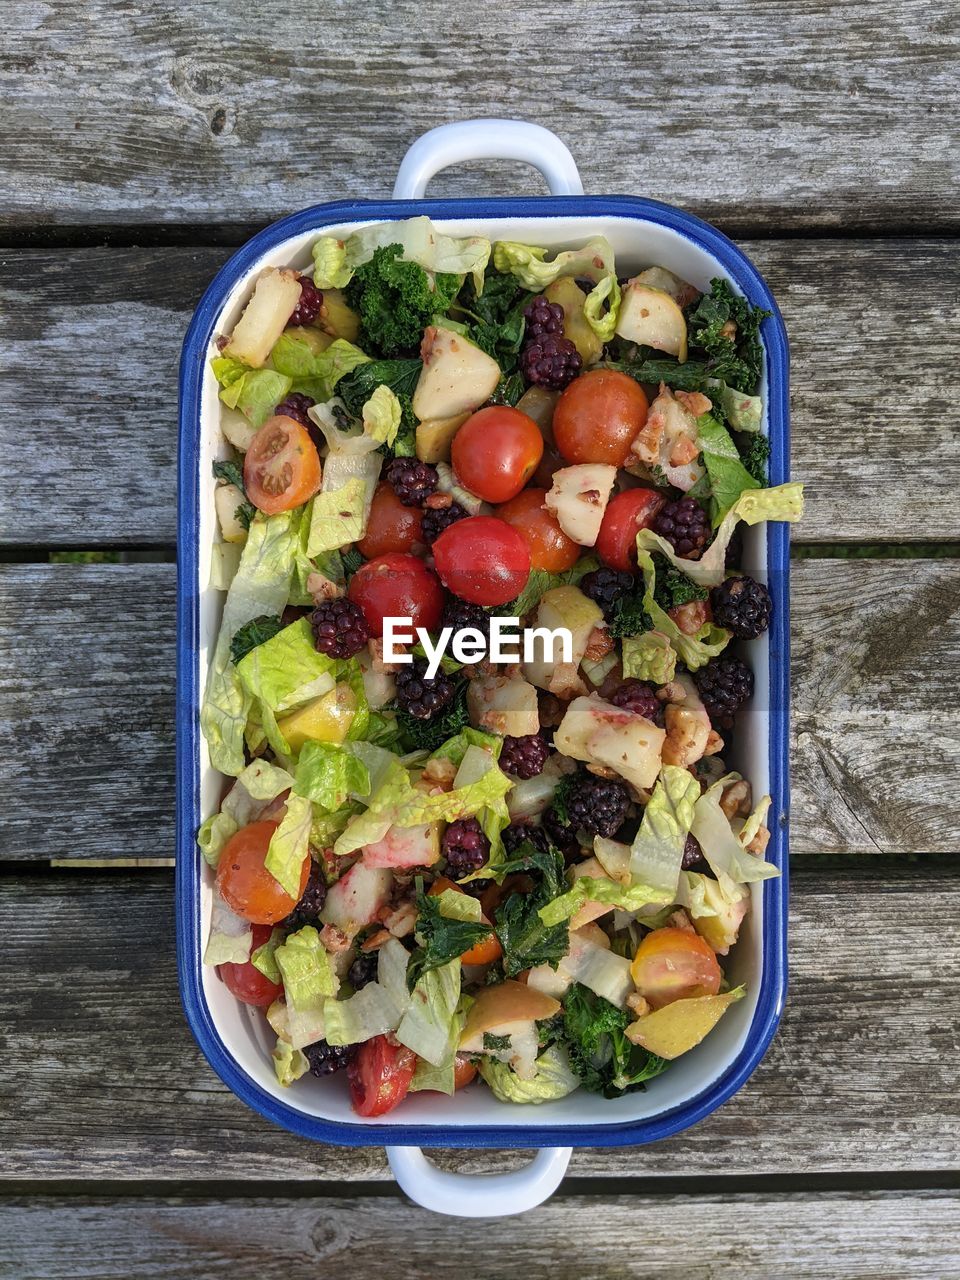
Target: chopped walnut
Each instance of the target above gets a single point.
(729, 330)
(694, 402)
(758, 844)
(376, 940)
(680, 920)
(714, 743)
(402, 919)
(599, 644)
(334, 939)
(686, 736)
(322, 588)
(637, 1003)
(551, 710)
(375, 645)
(737, 799)
(439, 773)
(691, 616)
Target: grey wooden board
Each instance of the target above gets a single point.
(875, 730)
(806, 114)
(819, 1236)
(874, 336)
(106, 1082)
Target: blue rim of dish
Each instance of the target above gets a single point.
(774, 953)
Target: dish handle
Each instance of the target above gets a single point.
(489, 1195)
(487, 140)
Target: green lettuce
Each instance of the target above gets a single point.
(258, 784)
(382, 414)
(455, 748)
(342, 507)
(442, 1077)
(595, 261)
(336, 260)
(288, 1063)
(727, 476)
(289, 846)
(784, 502)
(230, 937)
(314, 373)
(427, 1027)
(755, 821)
(308, 982)
(255, 392)
(554, 1078)
(261, 586)
(265, 956)
(329, 775)
(649, 656)
(657, 850)
(728, 859)
(369, 1012)
(283, 673)
(594, 889)
(696, 650)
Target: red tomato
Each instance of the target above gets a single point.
(550, 548)
(463, 1071)
(380, 1076)
(392, 526)
(626, 514)
(245, 981)
(397, 586)
(672, 964)
(496, 451)
(482, 560)
(598, 417)
(281, 469)
(244, 882)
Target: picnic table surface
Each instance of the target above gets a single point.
(142, 143)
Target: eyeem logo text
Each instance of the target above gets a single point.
(508, 643)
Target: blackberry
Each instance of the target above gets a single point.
(363, 970)
(607, 587)
(685, 526)
(543, 318)
(640, 697)
(412, 480)
(339, 628)
(597, 805)
(724, 685)
(743, 606)
(310, 304)
(693, 859)
(420, 697)
(437, 519)
(524, 757)
(460, 614)
(295, 406)
(560, 834)
(307, 910)
(550, 362)
(325, 1058)
(465, 847)
(519, 833)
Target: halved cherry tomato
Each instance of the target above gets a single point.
(397, 586)
(598, 417)
(672, 964)
(245, 981)
(391, 526)
(245, 884)
(463, 1071)
(496, 451)
(550, 548)
(380, 1076)
(482, 560)
(487, 949)
(626, 514)
(281, 469)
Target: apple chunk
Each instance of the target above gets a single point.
(265, 317)
(651, 318)
(600, 733)
(457, 376)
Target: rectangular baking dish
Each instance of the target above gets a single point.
(235, 1039)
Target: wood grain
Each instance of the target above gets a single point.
(105, 1081)
(874, 335)
(809, 115)
(717, 1237)
(876, 736)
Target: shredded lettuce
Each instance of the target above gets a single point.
(649, 656)
(697, 650)
(283, 673)
(368, 1013)
(381, 415)
(255, 392)
(265, 957)
(728, 859)
(342, 507)
(336, 260)
(258, 784)
(288, 1063)
(755, 821)
(314, 373)
(594, 889)
(329, 775)
(554, 1078)
(726, 474)
(657, 850)
(308, 981)
(289, 846)
(427, 1027)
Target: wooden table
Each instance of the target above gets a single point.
(141, 142)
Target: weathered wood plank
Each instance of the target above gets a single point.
(817, 115)
(716, 1237)
(873, 330)
(875, 743)
(863, 1076)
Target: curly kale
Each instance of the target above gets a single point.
(401, 376)
(525, 939)
(754, 450)
(726, 327)
(396, 300)
(674, 587)
(254, 633)
(600, 1053)
(496, 325)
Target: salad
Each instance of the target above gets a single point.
(441, 862)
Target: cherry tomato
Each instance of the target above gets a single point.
(397, 586)
(245, 981)
(281, 469)
(392, 526)
(626, 514)
(550, 548)
(380, 1076)
(482, 560)
(672, 964)
(244, 882)
(598, 417)
(463, 1071)
(496, 451)
(487, 949)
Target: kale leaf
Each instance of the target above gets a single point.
(525, 939)
(509, 389)
(601, 1055)
(495, 1044)
(232, 473)
(630, 618)
(754, 450)
(674, 587)
(396, 300)
(401, 376)
(427, 735)
(441, 939)
(726, 327)
(496, 320)
(252, 634)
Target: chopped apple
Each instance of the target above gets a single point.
(457, 376)
(579, 498)
(660, 278)
(336, 318)
(563, 608)
(600, 733)
(731, 905)
(315, 339)
(507, 1002)
(274, 300)
(324, 719)
(228, 499)
(238, 429)
(417, 846)
(354, 900)
(680, 1026)
(576, 327)
(435, 438)
(503, 704)
(651, 318)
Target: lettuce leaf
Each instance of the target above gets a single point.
(329, 775)
(289, 845)
(455, 748)
(743, 412)
(441, 1078)
(649, 656)
(657, 850)
(728, 859)
(284, 672)
(313, 373)
(342, 507)
(594, 889)
(259, 783)
(595, 261)
(427, 1027)
(308, 981)
(369, 1012)
(261, 586)
(381, 415)
(727, 475)
(336, 260)
(255, 392)
(755, 821)
(230, 937)
(265, 956)
(697, 650)
(288, 1063)
(554, 1078)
